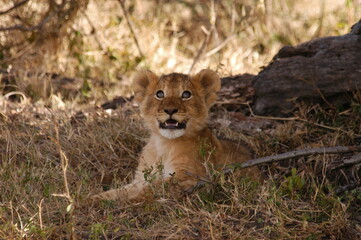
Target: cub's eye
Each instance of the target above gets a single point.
(159, 94)
(186, 94)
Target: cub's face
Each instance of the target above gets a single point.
(176, 104)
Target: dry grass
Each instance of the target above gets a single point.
(298, 201)
(98, 45)
(52, 161)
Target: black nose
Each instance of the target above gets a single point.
(170, 111)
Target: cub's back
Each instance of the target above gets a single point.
(233, 152)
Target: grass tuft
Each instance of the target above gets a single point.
(57, 147)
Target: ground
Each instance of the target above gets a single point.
(62, 140)
(53, 160)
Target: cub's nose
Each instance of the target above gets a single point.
(170, 111)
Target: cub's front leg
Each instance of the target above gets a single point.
(126, 193)
(140, 189)
(188, 173)
(134, 191)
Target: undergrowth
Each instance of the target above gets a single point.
(298, 200)
(97, 49)
(57, 147)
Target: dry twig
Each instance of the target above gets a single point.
(207, 38)
(64, 165)
(288, 155)
(355, 159)
(27, 29)
(297, 119)
(219, 46)
(295, 154)
(130, 27)
(94, 30)
(14, 7)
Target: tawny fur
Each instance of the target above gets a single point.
(182, 153)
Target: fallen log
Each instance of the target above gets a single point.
(324, 70)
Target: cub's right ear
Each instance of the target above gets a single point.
(141, 82)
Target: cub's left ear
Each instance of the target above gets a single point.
(211, 84)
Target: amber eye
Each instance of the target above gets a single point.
(186, 94)
(159, 94)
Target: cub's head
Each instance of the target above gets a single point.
(176, 104)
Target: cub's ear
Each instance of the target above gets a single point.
(141, 82)
(211, 84)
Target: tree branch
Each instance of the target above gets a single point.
(13, 7)
(288, 155)
(27, 29)
(294, 154)
(355, 159)
(207, 38)
(121, 2)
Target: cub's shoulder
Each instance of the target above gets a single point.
(240, 150)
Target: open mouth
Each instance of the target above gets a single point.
(172, 124)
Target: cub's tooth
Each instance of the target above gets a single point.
(176, 124)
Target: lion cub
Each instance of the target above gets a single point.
(175, 109)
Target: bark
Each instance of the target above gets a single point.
(325, 70)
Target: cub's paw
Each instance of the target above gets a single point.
(97, 197)
(108, 195)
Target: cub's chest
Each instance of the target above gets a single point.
(175, 155)
(166, 157)
(169, 169)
